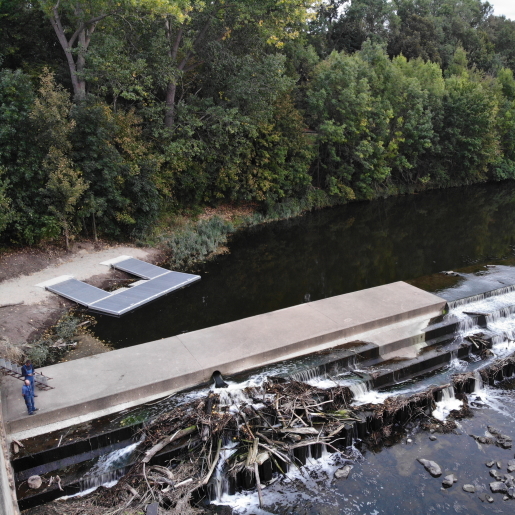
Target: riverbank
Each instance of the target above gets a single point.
(27, 310)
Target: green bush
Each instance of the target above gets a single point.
(66, 328)
(39, 352)
(196, 242)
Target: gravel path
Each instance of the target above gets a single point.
(83, 265)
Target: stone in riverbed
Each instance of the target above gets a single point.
(449, 480)
(431, 466)
(432, 438)
(343, 473)
(495, 474)
(511, 466)
(489, 498)
(498, 487)
(499, 464)
(34, 482)
(469, 488)
(491, 463)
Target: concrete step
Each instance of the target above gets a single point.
(405, 339)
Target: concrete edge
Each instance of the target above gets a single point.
(113, 402)
(8, 499)
(275, 355)
(106, 405)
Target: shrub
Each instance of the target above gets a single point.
(196, 242)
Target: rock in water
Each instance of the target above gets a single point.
(431, 466)
(490, 463)
(34, 482)
(432, 438)
(498, 487)
(495, 474)
(511, 466)
(449, 480)
(469, 488)
(343, 473)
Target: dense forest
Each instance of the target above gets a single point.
(114, 113)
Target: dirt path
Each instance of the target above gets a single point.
(37, 308)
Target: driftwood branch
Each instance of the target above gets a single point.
(165, 441)
(213, 465)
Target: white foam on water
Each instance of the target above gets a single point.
(447, 404)
(503, 349)
(458, 365)
(299, 484)
(235, 395)
(501, 401)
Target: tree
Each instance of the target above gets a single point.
(75, 21)
(120, 167)
(74, 24)
(202, 24)
(64, 185)
(5, 203)
(359, 21)
(63, 190)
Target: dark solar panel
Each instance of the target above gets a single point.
(140, 268)
(78, 291)
(120, 303)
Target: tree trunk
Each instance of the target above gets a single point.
(66, 238)
(83, 35)
(170, 104)
(94, 228)
(172, 85)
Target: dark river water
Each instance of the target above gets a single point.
(331, 252)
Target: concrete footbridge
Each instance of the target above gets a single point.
(390, 318)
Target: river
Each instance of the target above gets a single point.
(331, 252)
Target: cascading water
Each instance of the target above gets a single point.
(500, 292)
(310, 375)
(109, 468)
(219, 484)
(447, 404)
(106, 471)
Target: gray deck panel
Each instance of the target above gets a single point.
(78, 291)
(140, 268)
(120, 303)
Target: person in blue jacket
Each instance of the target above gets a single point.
(28, 395)
(28, 372)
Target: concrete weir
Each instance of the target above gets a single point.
(95, 386)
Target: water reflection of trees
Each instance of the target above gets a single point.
(331, 252)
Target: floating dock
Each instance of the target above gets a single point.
(155, 282)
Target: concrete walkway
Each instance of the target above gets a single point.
(105, 383)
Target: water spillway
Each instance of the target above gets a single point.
(116, 380)
(399, 358)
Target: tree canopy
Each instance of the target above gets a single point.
(114, 113)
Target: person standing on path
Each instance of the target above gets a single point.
(28, 395)
(28, 372)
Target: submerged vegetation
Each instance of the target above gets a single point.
(115, 115)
